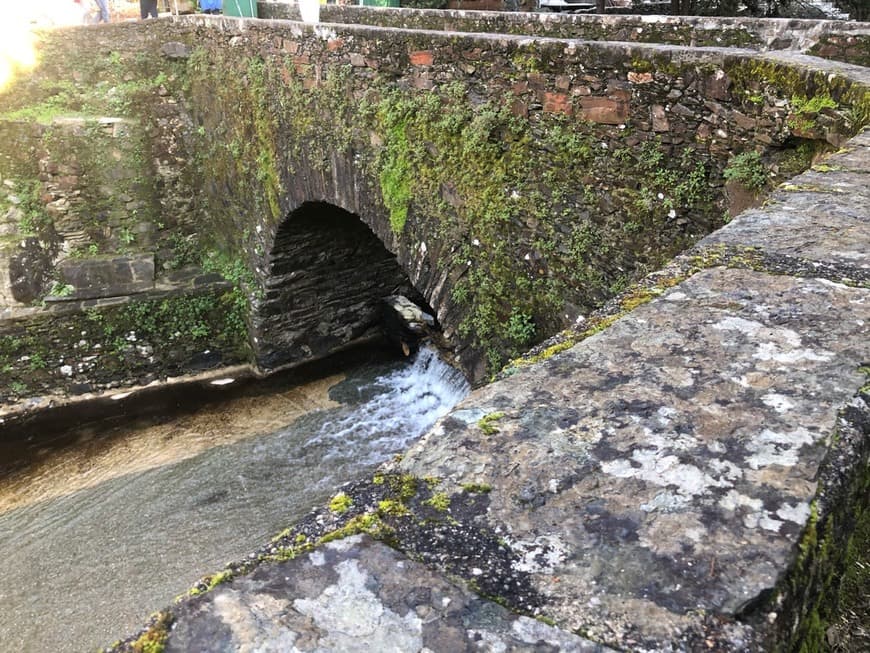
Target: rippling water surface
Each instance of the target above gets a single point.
(94, 538)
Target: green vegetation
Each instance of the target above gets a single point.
(440, 501)
(153, 640)
(206, 318)
(402, 486)
(748, 169)
(26, 193)
(813, 105)
(488, 422)
(340, 503)
(123, 339)
(395, 175)
(208, 583)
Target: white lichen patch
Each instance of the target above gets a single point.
(255, 620)
(533, 632)
(345, 543)
(771, 351)
(773, 448)
(780, 345)
(664, 470)
(798, 513)
(666, 501)
(754, 516)
(734, 500)
(351, 617)
(763, 520)
(780, 403)
(541, 555)
(732, 323)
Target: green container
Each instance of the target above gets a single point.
(244, 8)
(380, 3)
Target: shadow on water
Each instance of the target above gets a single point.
(46, 432)
(85, 568)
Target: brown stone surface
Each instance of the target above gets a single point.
(603, 110)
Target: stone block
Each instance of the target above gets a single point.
(422, 58)
(558, 103)
(604, 110)
(106, 276)
(659, 116)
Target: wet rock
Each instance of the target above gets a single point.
(405, 323)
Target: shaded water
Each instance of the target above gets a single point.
(90, 552)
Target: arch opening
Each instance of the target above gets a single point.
(328, 274)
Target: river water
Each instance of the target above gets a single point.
(100, 532)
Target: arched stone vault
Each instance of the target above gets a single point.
(327, 272)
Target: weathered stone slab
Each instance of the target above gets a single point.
(664, 469)
(796, 229)
(107, 276)
(356, 595)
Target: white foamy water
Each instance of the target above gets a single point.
(401, 406)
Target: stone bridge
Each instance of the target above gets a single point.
(681, 468)
(516, 182)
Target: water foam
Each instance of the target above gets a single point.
(402, 406)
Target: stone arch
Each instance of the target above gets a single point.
(327, 273)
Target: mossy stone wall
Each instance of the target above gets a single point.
(519, 182)
(693, 31)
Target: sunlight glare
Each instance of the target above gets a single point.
(17, 40)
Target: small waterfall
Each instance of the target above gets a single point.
(397, 408)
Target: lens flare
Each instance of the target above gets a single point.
(17, 49)
(17, 37)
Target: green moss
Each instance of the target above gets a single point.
(488, 422)
(824, 587)
(809, 92)
(340, 503)
(440, 501)
(546, 620)
(208, 583)
(748, 169)
(392, 507)
(395, 177)
(810, 188)
(153, 640)
(815, 104)
(822, 167)
(370, 524)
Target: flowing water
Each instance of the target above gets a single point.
(95, 536)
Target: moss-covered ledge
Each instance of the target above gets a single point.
(63, 350)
